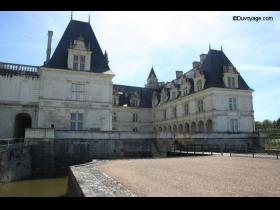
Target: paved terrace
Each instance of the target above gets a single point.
(186, 176)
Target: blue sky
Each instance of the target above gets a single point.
(169, 41)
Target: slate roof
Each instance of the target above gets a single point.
(73, 31)
(152, 72)
(145, 94)
(213, 70)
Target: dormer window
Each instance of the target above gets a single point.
(79, 55)
(79, 62)
(231, 82)
(199, 85)
(199, 80)
(135, 99)
(230, 77)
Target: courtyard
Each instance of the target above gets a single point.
(197, 176)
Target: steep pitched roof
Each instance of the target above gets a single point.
(73, 31)
(127, 91)
(152, 73)
(213, 69)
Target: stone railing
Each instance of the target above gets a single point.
(18, 67)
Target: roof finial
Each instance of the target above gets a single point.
(71, 15)
(106, 56)
(209, 46)
(222, 48)
(89, 19)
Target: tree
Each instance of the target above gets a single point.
(267, 124)
(278, 122)
(258, 125)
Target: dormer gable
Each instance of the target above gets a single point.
(199, 80)
(230, 76)
(79, 55)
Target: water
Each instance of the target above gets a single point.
(53, 187)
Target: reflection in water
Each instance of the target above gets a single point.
(53, 187)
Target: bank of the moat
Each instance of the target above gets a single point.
(47, 153)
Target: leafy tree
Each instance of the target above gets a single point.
(278, 122)
(267, 124)
(258, 125)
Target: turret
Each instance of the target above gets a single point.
(152, 81)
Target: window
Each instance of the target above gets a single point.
(164, 114)
(78, 92)
(82, 63)
(232, 104)
(174, 112)
(186, 108)
(185, 91)
(114, 116)
(234, 125)
(76, 121)
(134, 129)
(200, 105)
(199, 85)
(79, 61)
(231, 82)
(134, 117)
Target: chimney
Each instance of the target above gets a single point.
(202, 57)
(179, 74)
(195, 64)
(50, 33)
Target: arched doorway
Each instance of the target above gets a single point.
(209, 126)
(175, 128)
(160, 129)
(22, 121)
(180, 128)
(200, 126)
(169, 128)
(187, 128)
(193, 127)
(164, 129)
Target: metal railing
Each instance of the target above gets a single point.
(223, 149)
(11, 143)
(18, 67)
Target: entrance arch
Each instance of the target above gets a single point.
(22, 121)
(180, 128)
(193, 127)
(209, 126)
(200, 126)
(187, 128)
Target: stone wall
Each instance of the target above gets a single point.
(15, 164)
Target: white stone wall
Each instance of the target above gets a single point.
(124, 119)
(18, 94)
(216, 109)
(21, 89)
(56, 104)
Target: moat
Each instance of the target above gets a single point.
(50, 187)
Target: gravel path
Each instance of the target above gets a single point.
(197, 176)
